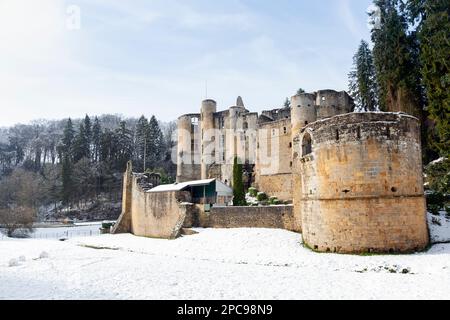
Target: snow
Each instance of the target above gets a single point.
(439, 227)
(440, 160)
(217, 264)
(64, 232)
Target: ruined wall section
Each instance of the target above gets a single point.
(152, 214)
(123, 224)
(361, 186)
(274, 159)
(330, 103)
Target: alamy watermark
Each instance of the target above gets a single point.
(73, 18)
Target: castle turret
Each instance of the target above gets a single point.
(303, 111)
(187, 148)
(209, 107)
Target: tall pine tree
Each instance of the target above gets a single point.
(433, 20)
(396, 61)
(88, 134)
(124, 146)
(155, 143)
(96, 139)
(81, 147)
(362, 80)
(141, 143)
(68, 138)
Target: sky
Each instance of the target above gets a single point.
(68, 58)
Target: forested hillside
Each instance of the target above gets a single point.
(73, 167)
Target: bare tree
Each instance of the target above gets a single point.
(17, 221)
(19, 198)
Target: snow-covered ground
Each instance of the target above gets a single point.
(63, 232)
(216, 264)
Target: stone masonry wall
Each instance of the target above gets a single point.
(152, 214)
(277, 217)
(278, 185)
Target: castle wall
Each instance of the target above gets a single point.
(277, 217)
(361, 188)
(277, 185)
(152, 214)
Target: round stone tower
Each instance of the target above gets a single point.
(209, 107)
(303, 110)
(187, 168)
(361, 184)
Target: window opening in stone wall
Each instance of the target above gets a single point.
(337, 135)
(306, 145)
(358, 133)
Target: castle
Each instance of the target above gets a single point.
(353, 180)
(209, 141)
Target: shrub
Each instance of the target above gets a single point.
(17, 222)
(438, 176)
(261, 196)
(253, 192)
(435, 201)
(107, 225)
(434, 209)
(238, 184)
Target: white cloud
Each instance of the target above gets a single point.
(30, 28)
(349, 19)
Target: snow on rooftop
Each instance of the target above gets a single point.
(181, 186)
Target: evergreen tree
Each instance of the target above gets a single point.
(362, 79)
(287, 103)
(238, 184)
(155, 145)
(68, 138)
(433, 19)
(300, 91)
(141, 143)
(96, 140)
(88, 133)
(124, 146)
(81, 145)
(67, 180)
(396, 61)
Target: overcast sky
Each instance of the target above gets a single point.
(149, 57)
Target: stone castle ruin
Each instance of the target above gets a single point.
(354, 180)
